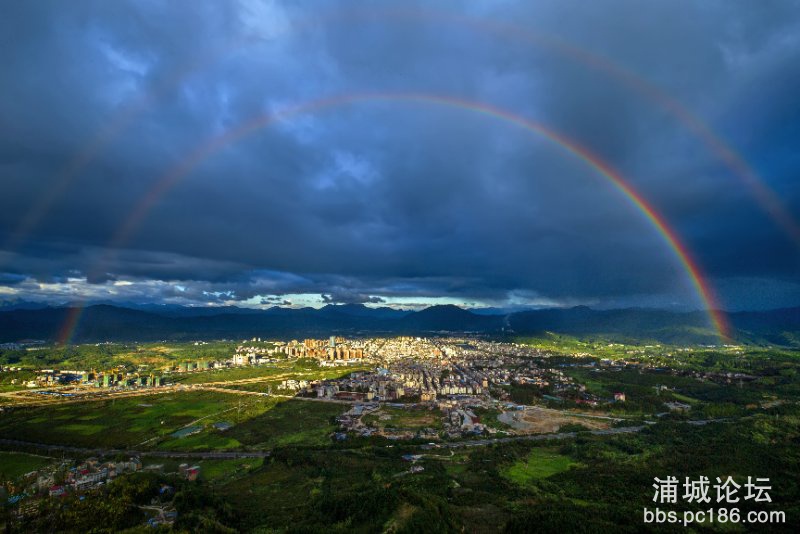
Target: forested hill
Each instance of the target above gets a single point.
(115, 323)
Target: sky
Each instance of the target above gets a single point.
(248, 153)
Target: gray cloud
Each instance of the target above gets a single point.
(381, 200)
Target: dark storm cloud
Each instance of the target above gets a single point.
(382, 201)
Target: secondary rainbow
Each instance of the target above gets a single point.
(763, 194)
(170, 179)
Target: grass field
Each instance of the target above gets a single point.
(150, 422)
(221, 470)
(488, 416)
(540, 463)
(16, 464)
(128, 422)
(206, 440)
(261, 386)
(289, 423)
(297, 369)
(20, 377)
(405, 418)
(106, 355)
(273, 381)
(234, 373)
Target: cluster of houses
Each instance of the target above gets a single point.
(58, 480)
(358, 386)
(61, 479)
(189, 472)
(462, 420)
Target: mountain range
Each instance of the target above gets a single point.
(105, 322)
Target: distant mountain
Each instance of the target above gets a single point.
(359, 310)
(8, 305)
(779, 327)
(114, 323)
(448, 318)
(174, 310)
(633, 323)
(500, 311)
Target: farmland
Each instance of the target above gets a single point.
(151, 422)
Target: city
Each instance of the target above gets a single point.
(423, 394)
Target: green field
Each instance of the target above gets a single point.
(708, 399)
(271, 373)
(405, 418)
(148, 422)
(207, 439)
(16, 464)
(271, 377)
(108, 355)
(20, 377)
(234, 373)
(262, 386)
(539, 464)
(220, 470)
(289, 423)
(126, 422)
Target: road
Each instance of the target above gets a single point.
(219, 389)
(21, 401)
(567, 435)
(540, 437)
(208, 455)
(29, 397)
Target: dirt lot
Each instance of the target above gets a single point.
(537, 420)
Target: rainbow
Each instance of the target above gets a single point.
(767, 199)
(70, 325)
(172, 177)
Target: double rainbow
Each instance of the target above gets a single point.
(178, 172)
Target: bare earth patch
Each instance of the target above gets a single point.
(538, 420)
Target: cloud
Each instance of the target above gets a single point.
(380, 200)
(351, 298)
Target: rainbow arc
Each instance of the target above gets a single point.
(202, 152)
